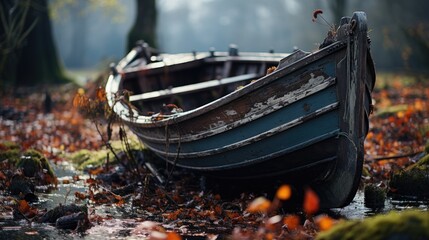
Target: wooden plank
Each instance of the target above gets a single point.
(192, 88)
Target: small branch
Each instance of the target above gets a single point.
(396, 156)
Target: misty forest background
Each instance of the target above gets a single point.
(89, 34)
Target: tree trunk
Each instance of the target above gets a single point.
(38, 62)
(144, 27)
(338, 8)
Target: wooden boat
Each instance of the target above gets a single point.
(223, 115)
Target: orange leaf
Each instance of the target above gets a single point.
(76, 100)
(96, 171)
(173, 236)
(419, 105)
(260, 204)
(101, 94)
(23, 207)
(284, 192)
(324, 222)
(291, 221)
(311, 202)
(79, 195)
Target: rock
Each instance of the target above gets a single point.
(60, 211)
(73, 221)
(34, 164)
(9, 151)
(23, 187)
(374, 196)
(412, 181)
(410, 224)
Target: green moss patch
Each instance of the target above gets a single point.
(411, 224)
(413, 181)
(34, 163)
(86, 158)
(9, 151)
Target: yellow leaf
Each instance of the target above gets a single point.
(284, 192)
(324, 222)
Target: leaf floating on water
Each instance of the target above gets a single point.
(26, 210)
(23, 207)
(32, 233)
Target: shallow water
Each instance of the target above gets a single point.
(122, 224)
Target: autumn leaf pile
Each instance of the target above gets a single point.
(399, 125)
(23, 121)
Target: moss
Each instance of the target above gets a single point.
(33, 162)
(410, 224)
(387, 111)
(85, 158)
(9, 151)
(422, 164)
(365, 172)
(8, 145)
(414, 180)
(374, 196)
(11, 155)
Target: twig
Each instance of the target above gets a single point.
(396, 156)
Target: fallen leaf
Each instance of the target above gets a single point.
(260, 204)
(23, 207)
(324, 222)
(173, 236)
(311, 202)
(284, 192)
(292, 222)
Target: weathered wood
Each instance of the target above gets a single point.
(191, 88)
(307, 118)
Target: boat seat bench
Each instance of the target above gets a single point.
(191, 88)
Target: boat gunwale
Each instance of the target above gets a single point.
(146, 121)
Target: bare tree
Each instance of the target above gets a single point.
(33, 58)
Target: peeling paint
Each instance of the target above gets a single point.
(230, 112)
(313, 85)
(218, 124)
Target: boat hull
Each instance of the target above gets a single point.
(305, 122)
